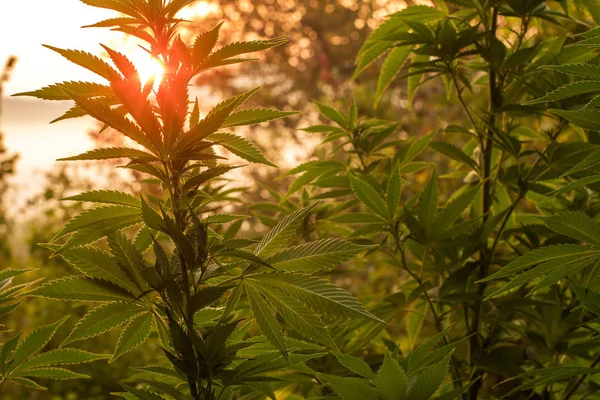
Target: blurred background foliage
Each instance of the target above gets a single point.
(318, 63)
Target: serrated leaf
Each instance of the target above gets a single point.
(583, 70)
(585, 118)
(94, 216)
(96, 263)
(332, 114)
(106, 197)
(102, 319)
(113, 118)
(393, 192)
(391, 381)
(86, 60)
(50, 373)
(56, 92)
(254, 116)
(356, 365)
(351, 388)
(81, 289)
(34, 342)
(428, 203)
(281, 232)
(61, 357)
(109, 153)
(318, 294)
(237, 48)
(27, 383)
(452, 210)
(568, 90)
(368, 195)
(576, 225)
(542, 255)
(454, 152)
(265, 319)
(315, 256)
(368, 55)
(240, 147)
(390, 69)
(204, 44)
(299, 317)
(427, 383)
(135, 333)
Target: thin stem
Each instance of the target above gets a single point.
(570, 391)
(495, 100)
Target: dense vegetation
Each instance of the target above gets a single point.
(443, 241)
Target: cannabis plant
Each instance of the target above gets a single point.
(22, 358)
(164, 263)
(446, 238)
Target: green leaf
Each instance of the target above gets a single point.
(390, 69)
(204, 44)
(56, 92)
(568, 90)
(351, 388)
(588, 180)
(27, 383)
(393, 192)
(576, 225)
(255, 115)
(61, 357)
(106, 197)
(102, 319)
(428, 203)
(34, 342)
(583, 70)
(11, 272)
(240, 147)
(391, 381)
(135, 333)
(265, 319)
(368, 55)
(368, 195)
(109, 153)
(50, 373)
(114, 118)
(152, 218)
(356, 365)
(238, 48)
(299, 317)
(95, 216)
(81, 289)
(427, 383)
(315, 256)
(332, 114)
(454, 153)
(452, 210)
(282, 232)
(86, 60)
(542, 255)
(319, 295)
(96, 263)
(586, 118)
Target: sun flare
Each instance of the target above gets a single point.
(149, 67)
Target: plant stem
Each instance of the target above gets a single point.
(570, 391)
(495, 101)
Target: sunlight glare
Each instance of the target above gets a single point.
(149, 67)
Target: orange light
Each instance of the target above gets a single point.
(149, 67)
